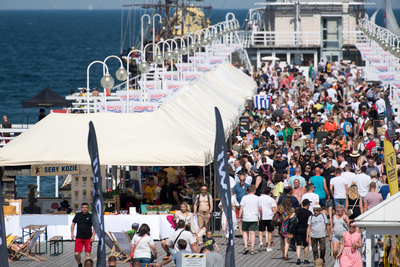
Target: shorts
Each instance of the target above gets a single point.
(337, 238)
(80, 243)
(301, 237)
(249, 226)
(265, 224)
(322, 202)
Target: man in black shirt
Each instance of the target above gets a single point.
(301, 236)
(84, 234)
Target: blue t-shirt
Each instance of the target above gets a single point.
(318, 182)
(384, 191)
(239, 191)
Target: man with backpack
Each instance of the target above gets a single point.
(316, 232)
(203, 207)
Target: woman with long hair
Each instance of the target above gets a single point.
(185, 215)
(287, 212)
(278, 185)
(354, 202)
(359, 144)
(362, 159)
(288, 130)
(141, 246)
(340, 226)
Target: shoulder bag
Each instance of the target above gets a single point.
(277, 219)
(350, 211)
(133, 250)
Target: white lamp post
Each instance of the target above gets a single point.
(143, 67)
(154, 33)
(106, 82)
(141, 25)
(121, 74)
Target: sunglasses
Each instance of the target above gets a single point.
(351, 226)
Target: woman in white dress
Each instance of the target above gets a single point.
(185, 215)
(224, 220)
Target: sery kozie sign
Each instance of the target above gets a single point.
(50, 170)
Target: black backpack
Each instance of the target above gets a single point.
(293, 225)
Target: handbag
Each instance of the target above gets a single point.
(277, 219)
(350, 212)
(133, 250)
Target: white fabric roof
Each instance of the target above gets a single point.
(383, 214)
(180, 132)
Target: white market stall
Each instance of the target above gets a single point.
(383, 219)
(180, 132)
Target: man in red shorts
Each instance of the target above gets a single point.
(84, 233)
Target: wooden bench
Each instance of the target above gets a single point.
(56, 240)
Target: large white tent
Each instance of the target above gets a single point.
(180, 132)
(383, 219)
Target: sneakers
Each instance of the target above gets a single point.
(246, 250)
(306, 262)
(285, 258)
(298, 262)
(260, 247)
(252, 252)
(269, 249)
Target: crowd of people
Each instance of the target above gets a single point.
(315, 154)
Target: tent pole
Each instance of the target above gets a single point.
(204, 174)
(56, 185)
(38, 184)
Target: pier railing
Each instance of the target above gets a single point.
(274, 39)
(8, 134)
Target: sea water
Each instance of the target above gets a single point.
(53, 48)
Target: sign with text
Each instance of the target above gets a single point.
(192, 76)
(175, 85)
(51, 170)
(158, 95)
(194, 260)
(151, 85)
(143, 107)
(112, 106)
(134, 95)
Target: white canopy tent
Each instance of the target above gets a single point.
(180, 132)
(383, 219)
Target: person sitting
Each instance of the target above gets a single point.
(64, 206)
(133, 231)
(95, 92)
(177, 257)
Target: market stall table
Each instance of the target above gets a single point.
(60, 224)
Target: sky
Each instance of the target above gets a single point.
(107, 4)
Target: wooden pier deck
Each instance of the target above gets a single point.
(263, 258)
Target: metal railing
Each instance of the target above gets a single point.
(293, 39)
(12, 132)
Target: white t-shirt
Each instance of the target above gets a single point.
(266, 203)
(339, 187)
(142, 249)
(332, 93)
(349, 176)
(313, 198)
(362, 181)
(186, 235)
(250, 208)
(380, 105)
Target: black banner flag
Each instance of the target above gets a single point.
(3, 241)
(222, 173)
(98, 216)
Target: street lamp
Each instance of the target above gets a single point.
(141, 25)
(154, 33)
(142, 69)
(106, 82)
(121, 74)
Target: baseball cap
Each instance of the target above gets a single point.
(306, 202)
(254, 169)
